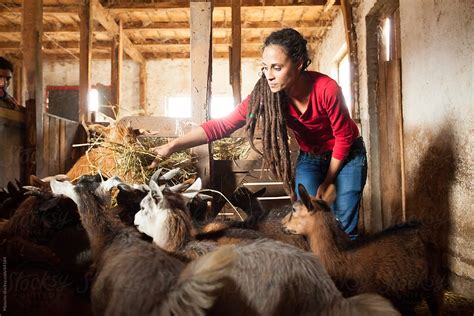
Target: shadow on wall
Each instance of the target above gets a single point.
(430, 182)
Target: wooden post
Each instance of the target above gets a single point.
(32, 32)
(351, 40)
(85, 58)
(201, 71)
(18, 82)
(143, 88)
(116, 68)
(235, 57)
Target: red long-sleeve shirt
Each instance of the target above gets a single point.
(325, 125)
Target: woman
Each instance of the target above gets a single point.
(312, 105)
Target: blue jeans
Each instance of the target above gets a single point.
(311, 171)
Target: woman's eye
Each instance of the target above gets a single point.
(277, 68)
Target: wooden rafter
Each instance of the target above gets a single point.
(107, 21)
(123, 7)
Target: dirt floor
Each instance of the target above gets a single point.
(453, 305)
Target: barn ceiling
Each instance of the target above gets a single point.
(161, 29)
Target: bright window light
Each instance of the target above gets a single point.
(93, 101)
(179, 106)
(344, 79)
(221, 106)
(386, 37)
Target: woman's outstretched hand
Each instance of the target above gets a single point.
(162, 152)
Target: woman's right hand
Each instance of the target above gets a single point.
(162, 152)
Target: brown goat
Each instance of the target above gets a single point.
(268, 278)
(134, 277)
(396, 263)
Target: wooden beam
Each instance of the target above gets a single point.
(329, 5)
(116, 68)
(143, 88)
(235, 59)
(123, 6)
(201, 74)
(32, 28)
(18, 82)
(138, 26)
(107, 21)
(11, 115)
(85, 58)
(351, 41)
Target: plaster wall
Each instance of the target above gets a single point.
(437, 63)
(437, 102)
(332, 48)
(165, 78)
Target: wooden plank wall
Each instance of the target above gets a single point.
(59, 136)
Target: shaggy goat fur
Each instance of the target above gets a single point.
(134, 277)
(268, 277)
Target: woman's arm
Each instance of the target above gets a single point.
(207, 132)
(334, 167)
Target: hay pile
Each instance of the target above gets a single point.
(231, 149)
(125, 152)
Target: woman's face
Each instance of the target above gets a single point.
(281, 72)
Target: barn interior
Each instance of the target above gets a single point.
(161, 68)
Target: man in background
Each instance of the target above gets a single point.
(6, 74)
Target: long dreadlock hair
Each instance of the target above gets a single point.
(267, 110)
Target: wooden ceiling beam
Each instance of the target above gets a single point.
(131, 27)
(217, 4)
(103, 17)
(147, 7)
(138, 26)
(328, 6)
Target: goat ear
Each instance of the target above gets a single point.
(193, 190)
(259, 193)
(37, 182)
(65, 188)
(305, 197)
(329, 195)
(155, 189)
(49, 204)
(178, 187)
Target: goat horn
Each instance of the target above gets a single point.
(170, 174)
(156, 175)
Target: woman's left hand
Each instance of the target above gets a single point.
(322, 189)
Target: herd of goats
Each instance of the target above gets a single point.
(104, 247)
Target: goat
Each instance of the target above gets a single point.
(268, 278)
(10, 199)
(396, 263)
(265, 223)
(134, 277)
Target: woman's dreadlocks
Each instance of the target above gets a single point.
(268, 111)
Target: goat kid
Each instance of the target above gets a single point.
(268, 277)
(395, 263)
(134, 277)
